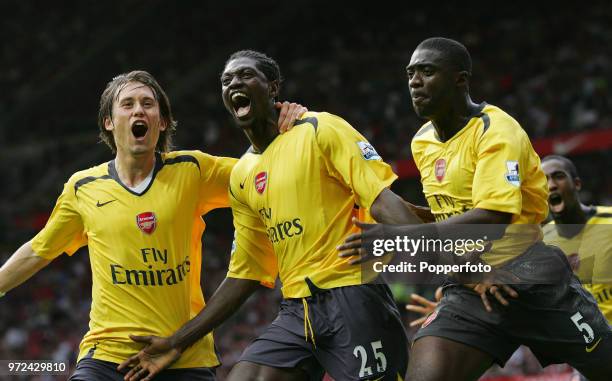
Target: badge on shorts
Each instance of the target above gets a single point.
(367, 151)
(260, 182)
(512, 174)
(147, 222)
(430, 318)
(440, 169)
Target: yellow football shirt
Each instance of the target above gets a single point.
(293, 203)
(489, 164)
(144, 249)
(590, 253)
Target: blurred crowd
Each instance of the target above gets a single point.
(548, 69)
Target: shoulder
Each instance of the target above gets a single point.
(203, 161)
(178, 157)
(86, 176)
(332, 128)
(603, 215)
(322, 122)
(310, 118)
(497, 122)
(549, 230)
(425, 135)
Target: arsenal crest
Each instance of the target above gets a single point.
(147, 222)
(440, 169)
(260, 182)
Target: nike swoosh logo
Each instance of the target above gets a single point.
(592, 348)
(565, 147)
(242, 184)
(99, 204)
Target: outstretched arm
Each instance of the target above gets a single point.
(230, 295)
(389, 208)
(494, 222)
(423, 212)
(160, 352)
(20, 267)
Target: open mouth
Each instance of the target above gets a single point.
(241, 103)
(139, 129)
(417, 98)
(556, 203)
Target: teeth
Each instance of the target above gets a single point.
(238, 94)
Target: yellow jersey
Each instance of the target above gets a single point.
(144, 249)
(590, 253)
(293, 203)
(489, 164)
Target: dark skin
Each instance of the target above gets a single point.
(565, 206)
(440, 94)
(161, 352)
(569, 214)
(570, 217)
(242, 77)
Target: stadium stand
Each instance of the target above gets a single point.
(548, 69)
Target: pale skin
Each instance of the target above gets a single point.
(134, 160)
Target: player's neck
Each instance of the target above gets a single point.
(263, 132)
(572, 221)
(451, 121)
(132, 170)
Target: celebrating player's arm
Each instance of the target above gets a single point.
(423, 212)
(62, 233)
(423, 306)
(356, 246)
(160, 352)
(20, 267)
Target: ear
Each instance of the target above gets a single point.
(578, 183)
(463, 78)
(108, 124)
(274, 89)
(162, 124)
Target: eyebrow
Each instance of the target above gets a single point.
(241, 69)
(420, 66)
(130, 97)
(558, 171)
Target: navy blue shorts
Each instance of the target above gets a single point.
(355, 333)
(559, 322)
(89, 369)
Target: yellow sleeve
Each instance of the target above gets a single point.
(64, 232)
(214, 181)
(352, 160)
(252, 255)
(597, 242)
(501, 161)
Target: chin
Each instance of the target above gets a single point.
(141, 150)
(421, 113)
(558, 215)
(243, 122)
